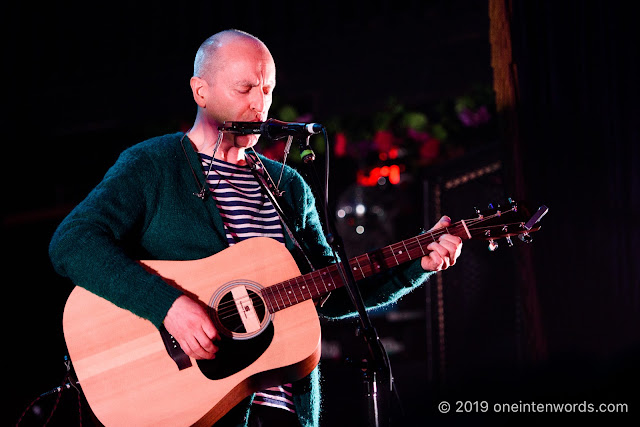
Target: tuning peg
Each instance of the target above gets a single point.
(526, 237)
(509, 242)
(490, 205)
(493, 245)
(477, 212)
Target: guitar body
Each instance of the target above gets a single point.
(128, 376)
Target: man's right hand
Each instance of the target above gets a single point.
(188, 322)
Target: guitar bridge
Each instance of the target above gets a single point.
(174, 349)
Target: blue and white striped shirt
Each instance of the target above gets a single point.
(246, 212)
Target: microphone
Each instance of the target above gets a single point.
(277, 129)
(272, 128)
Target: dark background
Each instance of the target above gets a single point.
(86, 80)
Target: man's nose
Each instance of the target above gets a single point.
(258, 101)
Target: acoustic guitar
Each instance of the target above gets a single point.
(133, 374)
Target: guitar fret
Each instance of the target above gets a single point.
(380, 259)
(358, 267)
(267, 300)
(290, 292)
(302, 289)
(370, 267)
(334, 275)
(321, 273)
(272, 298)
(306, 286)
(400, 253)
(315, 284)
(268, 297)
(393, 252)
(287, 292)
(284, 304)
(327, 274)
(275, 299)
(407, 250)
(373, 266)
(310, 285)
(270, 304)
(284, 294)
(296, 289)
(420, 245)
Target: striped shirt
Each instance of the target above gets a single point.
(246, 212)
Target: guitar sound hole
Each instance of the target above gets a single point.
(228, 313)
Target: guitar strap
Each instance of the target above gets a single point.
(269, 188)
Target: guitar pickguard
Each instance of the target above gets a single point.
(235, 355)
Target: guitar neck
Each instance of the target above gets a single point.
(321, 282)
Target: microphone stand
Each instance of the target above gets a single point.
(377, 369)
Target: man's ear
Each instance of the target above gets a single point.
(198, 88)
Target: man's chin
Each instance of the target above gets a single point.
(245, 141)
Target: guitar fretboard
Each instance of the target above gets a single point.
(322, 281)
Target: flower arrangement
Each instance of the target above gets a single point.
(391, 145)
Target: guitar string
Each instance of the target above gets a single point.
(409, 244)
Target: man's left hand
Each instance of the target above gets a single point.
(443, 253)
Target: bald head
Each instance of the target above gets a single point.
(208, 58)
(234, 77)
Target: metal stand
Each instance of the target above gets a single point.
(378, 377)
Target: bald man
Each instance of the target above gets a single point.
(186, 196)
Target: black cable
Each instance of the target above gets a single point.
(67, 382)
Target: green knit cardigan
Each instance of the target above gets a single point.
(146, 208)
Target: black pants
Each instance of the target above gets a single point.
(266, 416)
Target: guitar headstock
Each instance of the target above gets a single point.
(513, 219)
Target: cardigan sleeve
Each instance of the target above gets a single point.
(93, 245)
